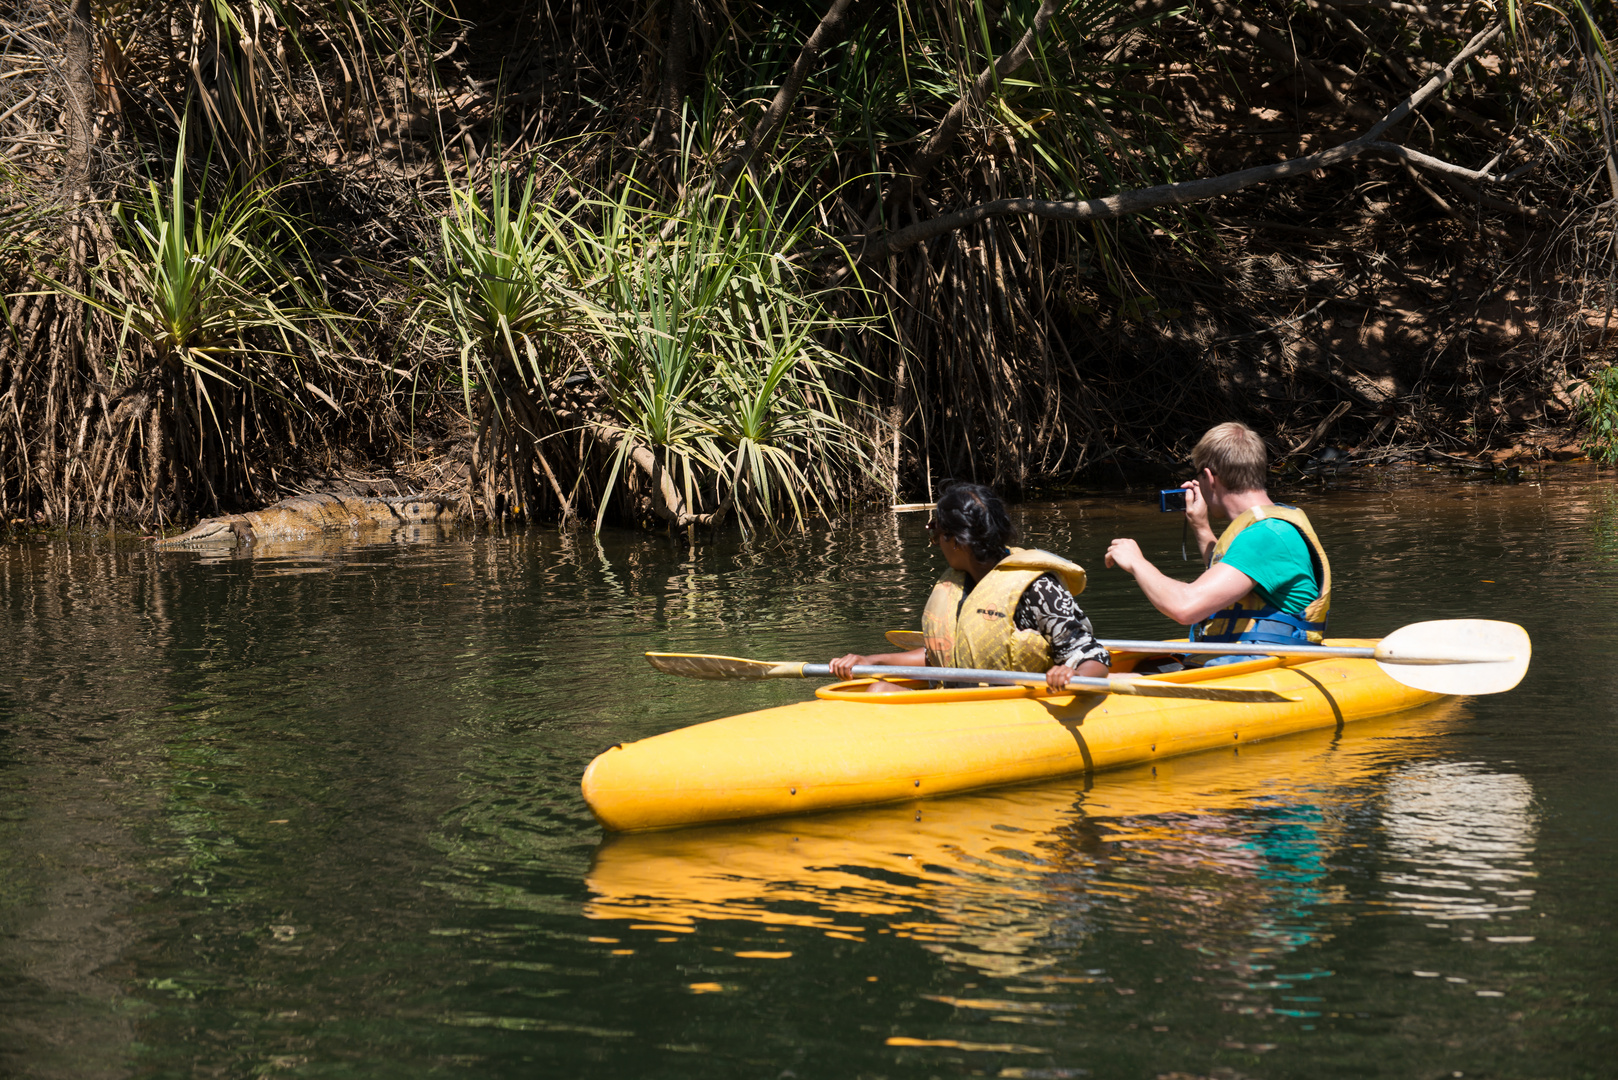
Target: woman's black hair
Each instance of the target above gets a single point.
(974, 516)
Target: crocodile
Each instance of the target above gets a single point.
(309, 516)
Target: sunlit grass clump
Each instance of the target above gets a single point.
(218, 336)
(675, 363)
(1598, 409)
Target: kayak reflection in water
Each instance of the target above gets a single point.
(997, 607)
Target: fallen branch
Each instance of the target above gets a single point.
(1321, 429)
(1457, 177)
(868, 249)
(1446, 168)
(671, 507)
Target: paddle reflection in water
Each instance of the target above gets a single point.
(1459, 841)
(1225, 853)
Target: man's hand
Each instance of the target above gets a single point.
(1126, 555)
(1197, 493)
(1185, 602)
(1196, 505)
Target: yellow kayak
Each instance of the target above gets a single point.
(930, 859)
(848, 747)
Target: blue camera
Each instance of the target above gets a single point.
(1171, 499)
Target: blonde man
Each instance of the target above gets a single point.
(1267, 578)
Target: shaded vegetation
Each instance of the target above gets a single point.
(763, 260)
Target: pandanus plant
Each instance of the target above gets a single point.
(215, 337)
(702, 383)
(503, 290)
(723, 378)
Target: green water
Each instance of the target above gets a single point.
(318, 815)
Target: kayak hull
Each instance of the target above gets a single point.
(847, 747)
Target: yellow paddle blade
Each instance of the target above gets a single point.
(1197, 691)
(699, 666)
(906, 639)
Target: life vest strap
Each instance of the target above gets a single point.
(1270, 626)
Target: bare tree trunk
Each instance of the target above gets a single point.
(675, 48)
(78, 106)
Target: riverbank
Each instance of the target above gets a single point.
(287, 530)
(770, 263)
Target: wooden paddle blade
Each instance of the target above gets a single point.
(1457, 656)
(1198, 691)
(699, 666)
(906, 639)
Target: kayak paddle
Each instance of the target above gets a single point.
(1445, 656)
(700, 666)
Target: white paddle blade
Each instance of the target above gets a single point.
(1457, 656)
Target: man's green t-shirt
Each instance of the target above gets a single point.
(1276, 556)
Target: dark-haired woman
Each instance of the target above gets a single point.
(997, 607)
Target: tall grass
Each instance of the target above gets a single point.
(505, 287)
(1597, 405)
(218, 320)
(212, 289)
(723, 364)
(502, 289)
(683, 352)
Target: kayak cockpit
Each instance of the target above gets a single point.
(922, 694)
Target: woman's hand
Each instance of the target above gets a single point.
(843, 666)
(1059, 676)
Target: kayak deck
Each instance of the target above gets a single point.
(849, 747)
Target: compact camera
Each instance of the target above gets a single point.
(1171, 499)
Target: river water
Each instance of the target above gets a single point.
(316, 814)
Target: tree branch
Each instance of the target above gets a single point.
(1449, 169)
(1401, 69)
(668, 503)
(830, 26)
(938, 143)
(868, 249)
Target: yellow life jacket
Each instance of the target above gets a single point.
(1254, 618)
(982, 632)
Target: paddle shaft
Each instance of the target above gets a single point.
(1250, 648)
(1077, 685)
(966, 675)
